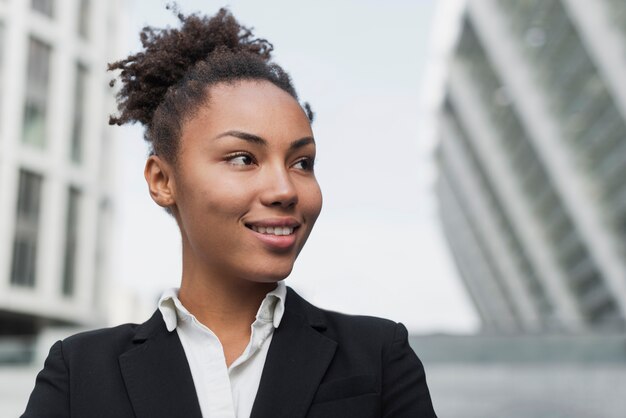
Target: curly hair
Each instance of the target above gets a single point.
(165, 84)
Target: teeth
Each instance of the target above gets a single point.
(273, 230)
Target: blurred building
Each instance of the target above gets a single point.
(532, 156)
(55, 161)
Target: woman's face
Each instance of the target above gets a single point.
(244, 189)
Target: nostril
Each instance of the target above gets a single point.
(286, 203)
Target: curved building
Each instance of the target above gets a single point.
(532, 157)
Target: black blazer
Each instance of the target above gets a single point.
(319, 364)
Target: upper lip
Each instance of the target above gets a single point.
(274, 222)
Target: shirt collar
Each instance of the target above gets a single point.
(273, 306)
(271, 310)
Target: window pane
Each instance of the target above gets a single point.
(1, 63)
(84, 8)
(35, 106)
(43, 6)
(79, 112)
(26, 229)
(71, 238)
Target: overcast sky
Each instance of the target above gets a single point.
(377, 247)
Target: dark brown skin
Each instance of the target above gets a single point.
(220, 184)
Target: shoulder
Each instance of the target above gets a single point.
(102, 335)
(342, 326)
(109, 341)
(369, 327)
(97, 344)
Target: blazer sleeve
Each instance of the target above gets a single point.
(50, 397)
(404, 389)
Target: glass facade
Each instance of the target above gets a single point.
(592, 125)
(480, 281)
(505, 227)
(618, 14)
(71, 240)
(481, 249)
(76, 151)
(24, 265)
(37, 86)
(584, 277)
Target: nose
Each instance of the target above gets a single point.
(279, 189)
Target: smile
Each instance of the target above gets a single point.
(272, 230)
(276, 234)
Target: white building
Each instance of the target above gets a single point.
(532, 160)
(55, 159)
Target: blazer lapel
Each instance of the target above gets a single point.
(157, 375)
(296, 362)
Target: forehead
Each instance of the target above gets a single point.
(256, 107)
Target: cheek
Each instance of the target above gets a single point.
(312, 202)
(225, 202)
(212, 202)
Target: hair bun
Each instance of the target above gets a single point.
(168, 54)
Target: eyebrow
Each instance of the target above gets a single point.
(255, 139)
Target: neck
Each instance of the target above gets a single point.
(226, 305)
(223, 306)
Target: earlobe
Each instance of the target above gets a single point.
(160, 181)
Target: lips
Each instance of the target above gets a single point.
(275, 233)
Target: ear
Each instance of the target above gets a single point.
(160, 179)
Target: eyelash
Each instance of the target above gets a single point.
(308, 160)
(232, 157)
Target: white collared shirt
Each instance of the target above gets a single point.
(224, 392)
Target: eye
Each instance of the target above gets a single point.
(240, 159)
(305, 164)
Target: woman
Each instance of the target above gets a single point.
(232, 161)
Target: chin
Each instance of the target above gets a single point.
(271, 275)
